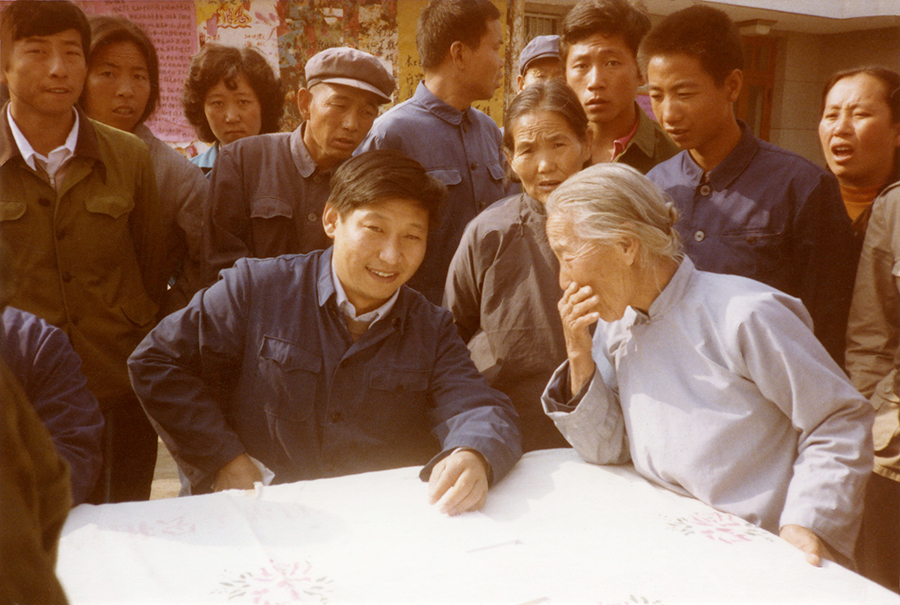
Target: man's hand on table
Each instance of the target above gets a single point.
(240, 473)
(459, 482)
(808, 542)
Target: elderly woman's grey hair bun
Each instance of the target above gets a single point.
(610, 202)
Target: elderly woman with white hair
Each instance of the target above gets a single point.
(714, 386)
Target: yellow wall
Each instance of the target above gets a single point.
(409, 71)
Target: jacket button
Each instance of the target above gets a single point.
(473, 166)
(705, 190)
(344, 363)
(337, 417)
(752, 239)
(60, 234)
(66, 276)
(401, 388)
(44, 201)
(312, 217)
(699, 236)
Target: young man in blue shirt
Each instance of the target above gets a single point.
(746, 207)
(459, 45)
(323, 364)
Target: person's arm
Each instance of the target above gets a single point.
(189, 219)
(467, 413)
(44, 361)
(465, 279)
(872, 336)
(179, 369)
(581, 396)
(825, 259)
(832, 420)
(148, 230)
(226, 222)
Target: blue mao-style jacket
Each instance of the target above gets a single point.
(262, 362)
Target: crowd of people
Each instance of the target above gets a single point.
(423, 288)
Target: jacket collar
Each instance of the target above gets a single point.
(396, 317)
(304, 162)
(735, 163)
(435, 105)
(88, 146)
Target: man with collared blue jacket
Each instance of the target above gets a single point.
(325, 364)
(459, 45)
(746, 206)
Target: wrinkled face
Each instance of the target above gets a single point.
(338, 119)
(118, 85)
(604, 74)
(233, 114)
(377, 248)
(548, 68)
(688, 103)
(606, 267)
(45, 74)
(858, 135)
(546, 152)
(484, 66)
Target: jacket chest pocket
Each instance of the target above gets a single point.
(113, 206)
(287, 379)
(270, 207)
(395, 388)
(763, 252)
(11, 210)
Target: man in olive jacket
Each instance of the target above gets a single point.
(80, 214)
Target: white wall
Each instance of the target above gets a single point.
(805, 61)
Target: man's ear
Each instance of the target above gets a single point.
(330, 218)
(733, 84)
(457, 54)
(520, 80)
(304, 99)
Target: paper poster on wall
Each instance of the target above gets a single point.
(241, 24)
(172, 27)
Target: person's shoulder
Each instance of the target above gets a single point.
(422, 315)
(787, 162)
(499, 216)
(483, 119)
(119, 139)
(407, 112)
(284, 267)
(668, 169)
(740, 299)
(261, 143)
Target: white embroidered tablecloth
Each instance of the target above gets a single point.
(556, 530)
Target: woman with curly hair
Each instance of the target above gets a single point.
(230, 93)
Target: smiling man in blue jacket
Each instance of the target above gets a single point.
(325, 364)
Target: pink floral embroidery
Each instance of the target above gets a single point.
(278, 584)
(720, 527)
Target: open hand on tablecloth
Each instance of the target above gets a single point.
(808, 542)
(459, 482)
(240, 473)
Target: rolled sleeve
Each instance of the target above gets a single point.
(591, 420)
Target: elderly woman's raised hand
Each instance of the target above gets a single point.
(577, 309)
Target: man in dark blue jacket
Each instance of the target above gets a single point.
(324, 364)
(42, 359)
